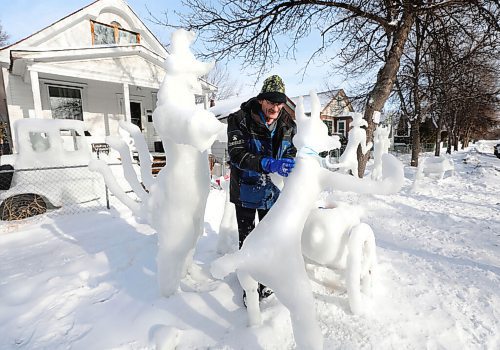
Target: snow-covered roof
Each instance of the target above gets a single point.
(324, 98)
(223, 108)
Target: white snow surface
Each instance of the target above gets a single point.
(88, 281)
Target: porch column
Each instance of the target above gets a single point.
(126, 101)
(206, 100)
(35, 89)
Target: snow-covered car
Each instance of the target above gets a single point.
(496, 150)
(49, 169)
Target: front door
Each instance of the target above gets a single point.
(135, 114)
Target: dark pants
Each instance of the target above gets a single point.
(246, 220)
(246, 223)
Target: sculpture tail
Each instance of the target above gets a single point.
(223, 266)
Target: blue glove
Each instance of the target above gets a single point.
(282, 166)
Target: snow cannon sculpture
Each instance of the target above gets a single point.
(335, 237)
(272, 253)
(173, 203)
(381, 144)
(348, 161)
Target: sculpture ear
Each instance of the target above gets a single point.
(300, 116)
(315, 104)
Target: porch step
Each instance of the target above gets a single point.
(159, 161)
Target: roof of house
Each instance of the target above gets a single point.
(324, 98)
(93, 8)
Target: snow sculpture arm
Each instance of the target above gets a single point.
(119, 145)
(365, 147)
(142, 148)
(392, 174)
(101, 167)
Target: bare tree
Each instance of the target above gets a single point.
(3, 36)
(437, 76)
(226, 85)
(375, 30)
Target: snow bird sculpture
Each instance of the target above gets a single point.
(272, 253)
(173, 203)
(348, 161)
(381, 144)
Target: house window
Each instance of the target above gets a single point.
(329, 124)
(109, 34)
(341, 127)
(65, 103)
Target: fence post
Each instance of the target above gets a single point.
(105, 186)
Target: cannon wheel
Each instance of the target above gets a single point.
(22, 206)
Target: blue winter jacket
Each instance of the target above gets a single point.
(249, 140)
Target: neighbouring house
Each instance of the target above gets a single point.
(100, 64)
(335, 106)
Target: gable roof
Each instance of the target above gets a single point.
(324, 99)
(91, 11)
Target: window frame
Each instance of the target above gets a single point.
(116, 32)
(338, 126)
(81, 89)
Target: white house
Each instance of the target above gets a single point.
(100, 64)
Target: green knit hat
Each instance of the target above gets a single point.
(273, 90)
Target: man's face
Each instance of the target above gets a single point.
(271, 110)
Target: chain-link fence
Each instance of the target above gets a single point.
(25, 194)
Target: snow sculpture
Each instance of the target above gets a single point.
(228, 229)
(173, 203)
(334, 237)
(272, 253)
(381, 144)
(356, 137)
(431, 166)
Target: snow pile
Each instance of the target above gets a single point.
(486, 146)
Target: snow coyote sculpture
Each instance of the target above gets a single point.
(173, 203)
(272, 253)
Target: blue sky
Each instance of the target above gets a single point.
(21, 18)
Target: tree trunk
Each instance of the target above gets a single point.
(385, 81)
(415, 141)
(437, 151)
(448, 146)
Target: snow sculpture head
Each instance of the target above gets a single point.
(357, 120)
(380, 134)
(177, 117)
(312, 133)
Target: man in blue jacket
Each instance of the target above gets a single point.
(259, 143)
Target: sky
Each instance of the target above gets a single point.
(21, 18)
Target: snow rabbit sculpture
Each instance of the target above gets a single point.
(173, 203)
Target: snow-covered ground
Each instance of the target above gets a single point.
(88, 281)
